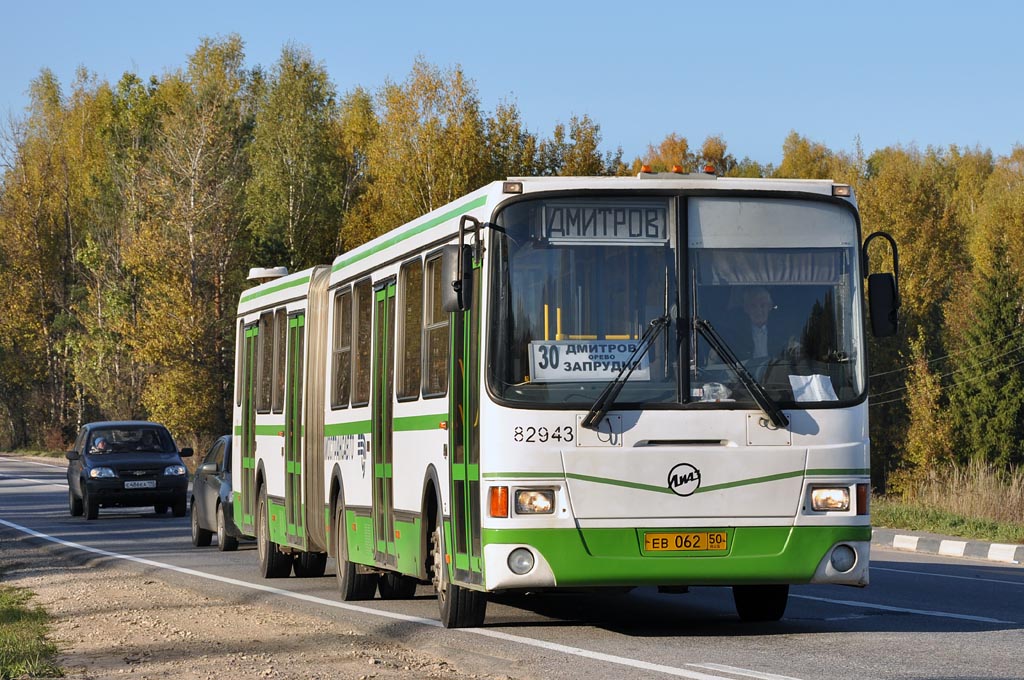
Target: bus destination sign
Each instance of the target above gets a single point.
(636, 223)
(584, 360)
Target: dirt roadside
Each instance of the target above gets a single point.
(111, 622)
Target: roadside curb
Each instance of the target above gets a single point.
(916, 541)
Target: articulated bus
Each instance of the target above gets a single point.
(570, 382)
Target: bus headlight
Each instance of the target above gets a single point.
(827, 498)
(535, 501)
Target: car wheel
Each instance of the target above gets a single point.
(200, 537)
(225, 541)
(89, 504)
(273, 562)
(310, 564)
(74, 504)
(351, 584)
(180, 506)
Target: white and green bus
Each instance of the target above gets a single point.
(570, 382)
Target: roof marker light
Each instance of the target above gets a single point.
(842, 190)
(678, 169)
(512, 187)
(709, 169)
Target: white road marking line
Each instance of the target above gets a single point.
(964, 578)
(904, 610)
(31, 462)
(552, 646)
(43, 482)
(742, 671)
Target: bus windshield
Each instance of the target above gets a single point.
(578, 281)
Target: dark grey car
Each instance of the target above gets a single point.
(212, 506)
(129, 464)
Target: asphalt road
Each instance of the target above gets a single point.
(923, 616)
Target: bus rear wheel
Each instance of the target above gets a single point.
(310, 564)
(394, 586)
(760, 603)
(351, 584)
(273, 562)
(460, 607)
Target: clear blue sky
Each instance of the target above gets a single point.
(894, 72)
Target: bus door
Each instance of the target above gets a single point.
(382, 426)
(245, 509)
(293, 430)
(465, 542)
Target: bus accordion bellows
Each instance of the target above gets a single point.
(570, 382)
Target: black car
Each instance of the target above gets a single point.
(212, 506)
(127, 464)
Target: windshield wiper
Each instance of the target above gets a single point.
(611, 391)
(755, 388)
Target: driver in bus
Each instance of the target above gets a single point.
(753, 336)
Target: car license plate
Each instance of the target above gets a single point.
(140, 484)
(691, 541)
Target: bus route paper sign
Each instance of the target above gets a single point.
(584, 360)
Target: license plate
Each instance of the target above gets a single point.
(690, 541)
(140, 484)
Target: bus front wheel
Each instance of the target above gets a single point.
(460, 607)
(760, 603)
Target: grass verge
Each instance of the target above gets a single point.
(896, 514)
(24, 650)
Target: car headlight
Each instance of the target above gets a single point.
(828, 498)
(175, 470)
(535, 501)
(101, 473)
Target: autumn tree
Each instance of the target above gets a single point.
(428, 150)
(106, 367)
(190, 251)
(294, 198)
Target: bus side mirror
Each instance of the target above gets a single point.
(456, 278)
(883, 290)
(884, 305)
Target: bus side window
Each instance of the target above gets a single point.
(266, 367)
(410, 333)
(280, 336)
(341, 364)
(435, 334)
(361, 336)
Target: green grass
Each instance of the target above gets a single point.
(973, 501)
(24, 650)
(896, 514)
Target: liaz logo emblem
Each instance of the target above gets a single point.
(684, 479)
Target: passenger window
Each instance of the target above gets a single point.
(410, 337)
(341, 364)
(362, 337)
(266, 367)
(280, 334)
(435, 379)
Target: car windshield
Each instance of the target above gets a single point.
(142, 439)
